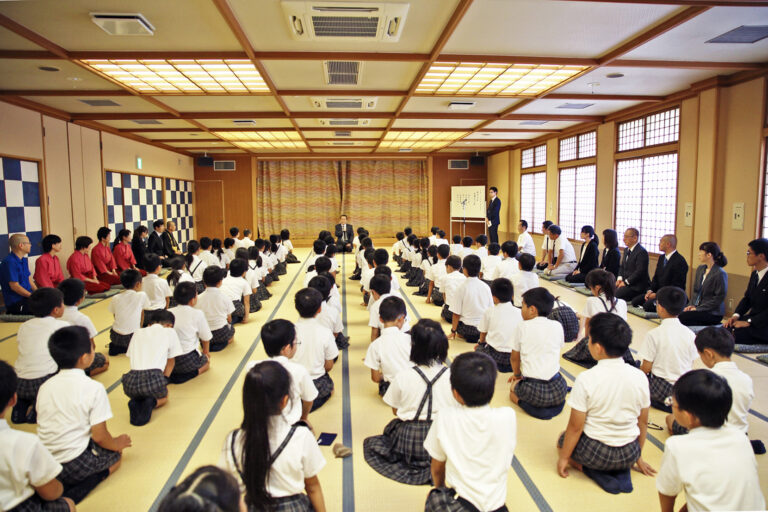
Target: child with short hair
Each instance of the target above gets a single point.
(390, 352)
(34, 365)
(73, 292)
(28, 468)
(538, 388)
(609, 411)
(316, 348)
(450, 284)
(206, 254)
(285, 236)
(237, 290)
(497, 324)
(472, 299)
(466, 247)
(329, 316)
(192, 330)
(381, 288)
(713, 464)
(525, 279)
(481, 250)
(434, 293)
(508, 266)
(417, 395)
(217, 308)
(158, 290)
(381, 259)
(490, 262)
(128, 310)
(229, 248)
(322, 264)
(318, 250)
(73, 411)
(251, 277)
(456, 246)
(471, 440)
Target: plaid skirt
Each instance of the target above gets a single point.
(36, 504)
(500, 358)
(262, 293)
(254, 304)
(438, 299)
(145, 383)
(239, 309)
(281, 268)
(446, 314)
(268, 279)
(27, 389)
(444, 499)
(596, 455)
(399, 453)
(324, 387)
(295, 503)
(424, 288)
(580, 355)
(660, 390)
(342, 341)
(118, 342)
(98, 362)
(291, 258)
(468, 332)
(189, 362)
(94, 459)
(542, 393)
(221, 338)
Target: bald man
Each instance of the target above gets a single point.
(15, 280)
(671, 270)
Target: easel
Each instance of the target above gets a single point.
(463, 220)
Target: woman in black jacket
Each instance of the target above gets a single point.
(611, 255)
(139, 244)
(710, 286)
(587, 256)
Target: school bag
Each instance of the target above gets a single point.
(567, 317)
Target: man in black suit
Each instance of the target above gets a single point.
(155, 242)
(671, 270)
(344, 235)
(749, 322)
(633, 278)
(492, 215)
(170, 245)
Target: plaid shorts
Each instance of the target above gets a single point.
(660, 390)
(145, 383)
(444, 499)
(255, 303)
(542, 393)
(27, 389)
(500, 358)
(342, 341)
(268, 279)
(118, 342)
(221, 338)
(399, 453)
(93, 460)
(281, 268)
(446, 314)
(189, 362)
(437, 297)
(262, 293)
(580, 355)
(468, 332)
(291, 258)
(600, 456)
(239, 311)
(295, 503)
(98, 362)
(36, 504)
(424, 288)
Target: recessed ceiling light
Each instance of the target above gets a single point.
(48, 68)
(575, 106)
(614, 75)
(533, 123)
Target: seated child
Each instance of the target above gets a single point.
(538, 387)
(72, 414)
(235, 288)
(426, 270)
(456, 246)
(380, 290)
(285, 236)
(158, 290)
(80, 267)
(481, 250)
(434, 293)
(322, 264)
(471, 301)
(206, 254)
(457, 465)
(466, 247)
(668, 351)
(34, 364)
(73, 291)
(251, 277)
(450, 284)
(28, 468)
(209, 487)
(315, 345)
(103, 260)
(128, 309)
(497, 324)
(380, 259)
(318, 249)
(195, 263)
(217, 308)
(508, 266)
(330, 253)
(490, 263)
(192, 329)
(390, 352)
(525, 278)
(609, 411)
(329, 316)
(417, 395)
(713, 464)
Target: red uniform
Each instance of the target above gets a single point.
(48, 272)
(79, 266)
(104, 263)
(124, 257)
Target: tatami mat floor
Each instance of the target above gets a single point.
(189, 431)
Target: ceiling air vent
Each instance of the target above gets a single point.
(146, 121)
(344, 122)
(312, 20)
(405, 150)
(458, 164)
(345, 103)
(575, 106)
(342, 72)
(244, 122)
(223, 165)
(123, 24)
(745, 34)
(533, 123)
(100, 103)
(345, 133)
(343, 143)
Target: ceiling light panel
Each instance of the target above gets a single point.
(264, 139)
(419, 140)
(482, 79)
(183, 76)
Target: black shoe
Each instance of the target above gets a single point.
(604, 479)
(355, 278)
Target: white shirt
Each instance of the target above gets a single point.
(127, 308)
(308, 277)
(595, 305)
(252, 278)
(184, 277)
(190, 326)
(490, 264)
(407, 389)
(156, 289)
(373, 313)
(197, 267)
(508, 267)
(499, 322)
(456, 249)
(525, 243)
(438, 272)
(235, 288)
(477, 445)
(24, 463)
(330, 318)
(562, 243)
(482, 253)
(670, 348)
(450, 285)
(742, 390)
(539, 341)
(546, 244)
(440, 241)
(301, 458)
(612, 394)
(34, 360)
(209, 259)
(315, 344)
(716, 468)
(389, 353)
(472, 299)
(302, 387)
(68, 405)
(465, 251)
(75, 317)
(521, 283)
(246, 242)
(215, 306)
(152, 347)
(365, 277)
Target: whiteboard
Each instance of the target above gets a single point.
(475, 206)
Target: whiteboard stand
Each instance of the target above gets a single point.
(464, 223)
(467, 206)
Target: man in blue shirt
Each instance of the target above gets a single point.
(15, 279)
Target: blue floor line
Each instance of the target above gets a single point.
(348, 481)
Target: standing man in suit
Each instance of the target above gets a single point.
(170, 245)
(671, 270)
(155, 242)
(492, 215)
(749, 322)
(344, 235)
(633, 278)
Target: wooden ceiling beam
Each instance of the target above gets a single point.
(686, 64)
(704, 3)
(187, 116)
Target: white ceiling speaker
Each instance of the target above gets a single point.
(114, 24)
(345, 21)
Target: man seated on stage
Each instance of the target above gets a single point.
(749, 322)
(671, 270)
(344, 235)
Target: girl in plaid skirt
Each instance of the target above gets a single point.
(208, 488)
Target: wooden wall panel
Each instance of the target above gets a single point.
(239, 203)
(444, 179)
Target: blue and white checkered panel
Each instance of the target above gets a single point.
(142, 200)
(20, 204)
(114, 192)
(180, 209)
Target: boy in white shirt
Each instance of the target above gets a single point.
(329, 316)
(389, 353)
(466, 247)
(152, 353)
(206, 255)
(128, 309)
(473, 298)
(158, 290)
(450, 284)
(456, 246)
(433, 236)
(322, 264)
(508, 266)
(497, 324)
(72, 414)
(217, 308)
(714, 463)
(381, 288)
(440, 239)
(318, 250)
(471, 440)
(490, 262)
(247, 240)
(236, 289)
(538, 388)
(609, 412)
(482, 250)
(668, 351)
(73, 291)
(525, 279)
(315, 345)
(193, 332)
(252, 279)
(434, 294)
(525, 240)
(563, 254)
(28, 468)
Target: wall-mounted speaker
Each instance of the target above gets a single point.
(477, 160)
(205, 161)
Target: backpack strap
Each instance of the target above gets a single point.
(613, 306)
(282, 446)
(427, 398)
(196, 267)
(234, 457)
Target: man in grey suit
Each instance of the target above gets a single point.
(633, 278)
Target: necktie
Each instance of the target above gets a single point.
(344, 232)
